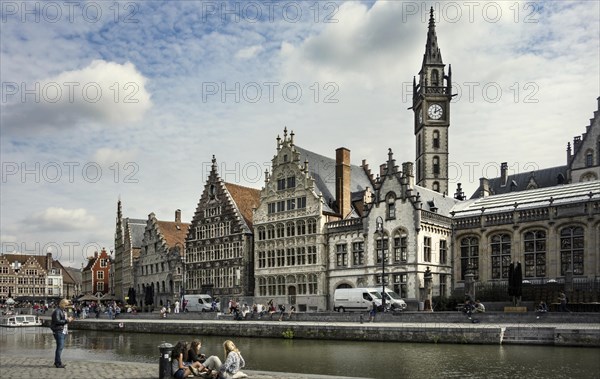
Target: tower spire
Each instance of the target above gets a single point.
(432, 51)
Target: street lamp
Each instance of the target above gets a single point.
(379, 229)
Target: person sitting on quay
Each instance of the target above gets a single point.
(468, 308)
(180, 367)
(541, 308)
(292, 311)
(212, 364)
(479, 307)
(234, 361)
(281, 311)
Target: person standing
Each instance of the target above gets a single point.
(373, 312)
(562, 299)
(59, 326)
(176, 306)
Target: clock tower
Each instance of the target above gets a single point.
(431, 104)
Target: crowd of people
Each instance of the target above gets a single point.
(258, 311)
(186, 359)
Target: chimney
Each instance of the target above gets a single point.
(342, 180)
(503, 173)
(484, 183)
(178, 215)
(407, 170)
(48, 260)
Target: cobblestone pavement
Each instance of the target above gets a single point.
(13, 367)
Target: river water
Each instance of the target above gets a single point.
(348, 358)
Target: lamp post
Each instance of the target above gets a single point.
(379, 230)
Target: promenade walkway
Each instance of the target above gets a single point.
(13, 367)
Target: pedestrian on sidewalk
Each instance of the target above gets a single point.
(59, 326)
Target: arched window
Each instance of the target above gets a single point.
(436, 165)
(469, 256)
(262, 287)
(435, 78)
(535, 253)
(300, 227)
(261, 233)
(501, 246)
(280, 231)
(391, 205)
(302, 285)
(271, 288)
(436, 186)
(436, 139)
(312, 226)
(270, 232)
(281, 286)
(571, 250)
(291, 229)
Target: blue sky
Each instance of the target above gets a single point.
(102, 100)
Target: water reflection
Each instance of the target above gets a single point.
(350, 358)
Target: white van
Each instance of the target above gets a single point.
(391, 298)
(198, 303)
(355, 299)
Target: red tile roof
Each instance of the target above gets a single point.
(246, 200)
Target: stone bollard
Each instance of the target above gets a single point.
(164, 363)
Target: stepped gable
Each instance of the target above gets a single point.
(246, 199)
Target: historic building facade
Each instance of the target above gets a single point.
(219, 246)
(95, 275)
(415, 233)
(35, 278)
(129, 234)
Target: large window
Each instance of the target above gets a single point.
(436, 165)
(501, 245)
(469, 256)
(427, 249)
(382, 246)
(400, 284)
(443, 252)
(535, 253)
(400, 248)
(358, 253)
(341, 255)
(571, 250)
(312, 284)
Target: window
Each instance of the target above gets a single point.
(443, 252)
(418, 170)
(436, 139)
(291, 204)
(390, 201)
(262, 259)
(280, 184)
(301, 227)
(443, 285)
(100, 275)
(291, 229)
(589, 158)
(418, 145)
(436, 165)
(341, 255)
(501, 246)
(270, 232)
(281, 206)
(290, 257)
(261, 233)
(271, 258)
(312, 226)
(280, 231)
(103, 263)
(271, 208)
(427, 249)
(280, 286)
(436, 186)
(435, 78)
(271, 288)
(382, 246)
(535, 253)
(291, 182)
(571, 250)
(312, 255)
(302, 285)
(312, 284)
(301, 203)
(301, 255)
(100, 287)
(400, 248)
(358, 253)
(469, 256)
(280, 258)
(400, 285)
(262, 287)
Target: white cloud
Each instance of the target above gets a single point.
(249, 52)
(103, 92)
(56, 218)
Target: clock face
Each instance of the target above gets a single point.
(435, 111)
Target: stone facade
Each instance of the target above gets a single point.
(416, 234)
(159, 267)
(584, 162)
(219, 246)
(431, 106)
(129, 234)
(550, 231)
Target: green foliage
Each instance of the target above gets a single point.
(288, 334)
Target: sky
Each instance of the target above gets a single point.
(106, 100)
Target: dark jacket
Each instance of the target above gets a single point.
(59, 319)
(193, 357)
